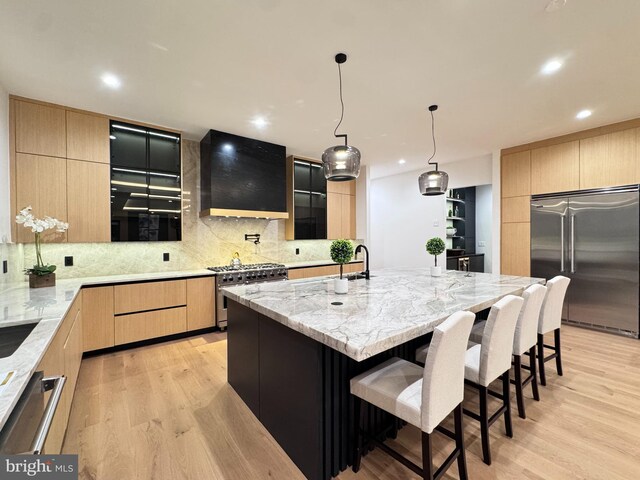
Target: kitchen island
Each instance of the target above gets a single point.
(293, 347)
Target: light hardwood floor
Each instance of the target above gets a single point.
(166, 412)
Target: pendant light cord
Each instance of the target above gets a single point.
(335, 131)
(433, 136)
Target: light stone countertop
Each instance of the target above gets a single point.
(393, 307)
(48, 306)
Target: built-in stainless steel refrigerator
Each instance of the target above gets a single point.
(592, 237)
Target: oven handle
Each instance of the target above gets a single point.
(49, 383)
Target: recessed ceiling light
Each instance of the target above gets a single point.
(582, 114)
(111, 81)
(552, 66)
(259, 122)
(402, 161)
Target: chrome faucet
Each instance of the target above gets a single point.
(358, 249)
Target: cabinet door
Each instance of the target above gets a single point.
(349, 216)
(42, 183)
(97, 317)
(555, 168)
(72, 359)
(515, 249)
(334, 215)
(516, 174)
(87, 137)
(516, 209)
(201, 303)
(139, 297)
(142, 326)
(609, 160)
(40, 129)
(345, 188)
(88, 202)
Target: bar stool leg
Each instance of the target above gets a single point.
(507, 403)
(484, 425)
(543, 378)
(462, 459)
(534, 373)
(357, 434)
(556, 335)
(427, 463)
(519, 396)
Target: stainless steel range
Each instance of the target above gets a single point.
(241, 274)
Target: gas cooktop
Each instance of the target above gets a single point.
(246, 268)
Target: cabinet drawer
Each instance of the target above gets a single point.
(139, 297)
(142, 326)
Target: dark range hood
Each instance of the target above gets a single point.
(242, 177)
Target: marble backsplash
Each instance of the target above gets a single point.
(205, 241)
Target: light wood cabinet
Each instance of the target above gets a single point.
(345, 188)
(139, 297)
(516, 209)
(97, 318)
(201, 303)
(40, 129)
(72, 359)
(609, 160)
(516, 174)
(88, 200)
(555, 168)
(515, 249)
(41, 182)
(309, 272)
(341, 216)
(52, 364)
(143, 326)
(87, 137)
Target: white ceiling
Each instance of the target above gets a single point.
(200, 64)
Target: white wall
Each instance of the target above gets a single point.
(402, 220)
(470, 172)
(484, 224)
(5, 204)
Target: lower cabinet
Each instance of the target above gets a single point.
(201, 303)
(143, 326)
(97, 316)
(308, 272)
(63, 357)
(470, 263)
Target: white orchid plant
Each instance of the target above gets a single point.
(38, 226)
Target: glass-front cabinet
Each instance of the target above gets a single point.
(146, 192)
(309, 200)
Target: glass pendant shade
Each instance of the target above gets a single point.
(341, 163)
(434, 182)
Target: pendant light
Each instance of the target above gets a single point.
(342, 162)
(433, 182)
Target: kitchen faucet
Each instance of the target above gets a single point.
(358, 249)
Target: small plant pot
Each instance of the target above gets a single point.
(40, 281)
(436, 271)
(341, 285)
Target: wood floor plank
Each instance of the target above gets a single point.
(166, 411)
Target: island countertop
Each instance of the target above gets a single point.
(393, 307)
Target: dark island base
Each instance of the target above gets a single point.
(299, 390)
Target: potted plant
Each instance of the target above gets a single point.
(40, 275)
(435, 246)
(341, 253)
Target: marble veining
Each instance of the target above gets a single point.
(395, 306)
(48, 306)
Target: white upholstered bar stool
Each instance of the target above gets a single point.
(491, 360)
(524, 342)
(550, 321)
(423, 397)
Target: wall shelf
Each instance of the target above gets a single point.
(456, 218)
(455, 200)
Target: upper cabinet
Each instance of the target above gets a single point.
(87, 137)
(306, 200)
(88, 203)
(555, 168)
(341, 216)
(516, 174)
(40, 129)
(609, 160)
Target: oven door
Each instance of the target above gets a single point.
(28, 425)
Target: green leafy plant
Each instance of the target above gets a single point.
(341, 252)
(435, 246)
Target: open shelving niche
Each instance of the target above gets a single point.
(459, 240)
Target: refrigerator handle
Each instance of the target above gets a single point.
(573, 244)
(562, 243)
